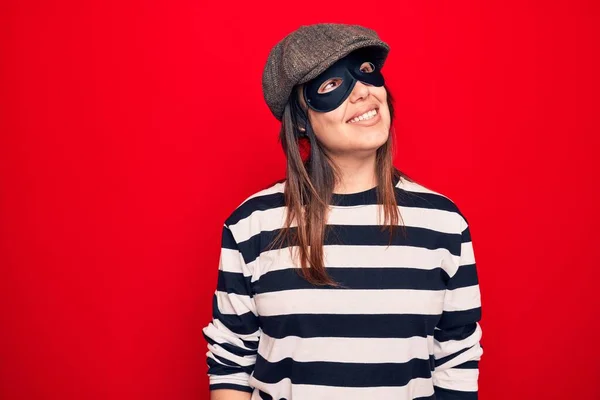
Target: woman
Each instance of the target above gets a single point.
(318, 297)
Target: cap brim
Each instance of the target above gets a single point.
(380, 49)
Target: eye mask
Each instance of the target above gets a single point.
(356, 66)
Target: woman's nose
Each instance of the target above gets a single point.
(359, 91)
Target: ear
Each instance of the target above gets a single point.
(302, 132)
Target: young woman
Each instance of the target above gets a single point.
(346, 280)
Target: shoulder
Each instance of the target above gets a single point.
(441, 210)
(245, 220)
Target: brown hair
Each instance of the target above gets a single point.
(309, 187)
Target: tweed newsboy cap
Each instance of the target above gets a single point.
(308, 51)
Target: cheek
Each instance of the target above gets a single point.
(383, 108)
(325, 122)
(385, 112)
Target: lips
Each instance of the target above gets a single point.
(367, 122)
(361, 112)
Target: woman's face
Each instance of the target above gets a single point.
(343, 134)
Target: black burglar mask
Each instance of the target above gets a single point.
(328, 91)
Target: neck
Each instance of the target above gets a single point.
(356, 175)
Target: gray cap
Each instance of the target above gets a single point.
(309, 50)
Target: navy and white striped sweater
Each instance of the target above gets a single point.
(404, 326)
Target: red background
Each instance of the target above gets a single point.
(130, 131)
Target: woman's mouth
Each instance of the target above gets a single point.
(367, 119)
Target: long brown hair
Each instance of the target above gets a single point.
(309, 187)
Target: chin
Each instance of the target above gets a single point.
(376, 135)
(372, 141)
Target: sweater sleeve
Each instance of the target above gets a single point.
(233, 333)
(457, 348)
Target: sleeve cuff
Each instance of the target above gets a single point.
(448, 394)
(231, 386)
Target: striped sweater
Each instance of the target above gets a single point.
(404, 326)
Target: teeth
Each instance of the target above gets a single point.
(365, 116)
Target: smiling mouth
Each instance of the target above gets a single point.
(365, 117)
